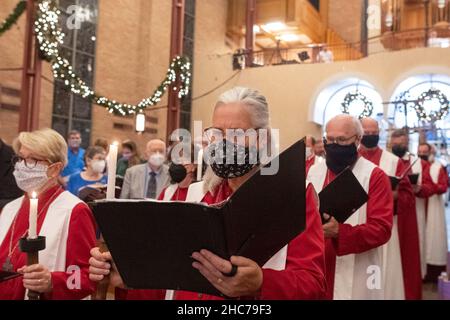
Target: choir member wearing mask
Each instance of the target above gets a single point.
(353, 248)
(297, 271)
(436, 231)
(182, 173)
(401, 260)
(149, 179)
(65, 221)
(423, 189)
(311, 157)
(93, 176)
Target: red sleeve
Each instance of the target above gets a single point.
(428, 188)
(442, 185)
(304, 276)
(80, 241)
(123, 294)
(163, 193)
(377, 229)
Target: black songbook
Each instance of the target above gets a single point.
(5, 276)
(152, 241)
(413, 178)
(342, 197)
(394, 182)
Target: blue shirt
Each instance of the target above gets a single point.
(76, 182)
(75, 162)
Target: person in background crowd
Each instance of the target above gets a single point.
(311, 157)
(8, 187)
(149, 179)
(423, 189)
(319, 149)
(65, 221)
(436, 225)
(75, 157)
(130, 157)
(93, 175)
(102, 142)
(325, 55)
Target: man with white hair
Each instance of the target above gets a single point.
(149, 179)
(353, 249)
(401, 267)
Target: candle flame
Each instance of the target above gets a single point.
(34, 195)
(115, 143)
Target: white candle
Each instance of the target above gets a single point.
(112, 167)
(200, 165)
(32, 231)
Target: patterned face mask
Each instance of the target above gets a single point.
(30, 179)
(230, 160)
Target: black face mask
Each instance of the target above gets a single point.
(399, 150)
(425, 157)
(370, 141)
(340, 157)
(241, 159)
(177, 172)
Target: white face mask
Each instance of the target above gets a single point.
(30, 180)
(157, 159)
(308, 152)
(98, 166)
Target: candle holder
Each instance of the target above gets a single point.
(32, 247)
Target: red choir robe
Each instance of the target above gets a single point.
(81, 239)
(179, 194)
(310, 162)
(436, 226)
(303, 277)
(362, 237)
(405, 208)
(427, 190)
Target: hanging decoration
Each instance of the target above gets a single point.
(432, 94)
(357, 96)
(50, 37)
(13, 17)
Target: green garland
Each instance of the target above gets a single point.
(13, 17)
(433, 115)
(50, 37)
(357, 96)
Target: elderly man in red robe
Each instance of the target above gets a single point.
(402, 276)
(296, 272)
(353, 249)
(423, 189)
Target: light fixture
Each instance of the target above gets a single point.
(140, 122)
(441, 4)
(389, 20)
(274, 26)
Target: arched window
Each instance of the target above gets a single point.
(409, 90)
(330, 100)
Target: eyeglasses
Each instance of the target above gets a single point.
(212, 134)
(342, 141)
(30, 163)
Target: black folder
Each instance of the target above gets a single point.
(152, 242)
(342, 197)
(5, 276)
(413, 178)
(394, 182)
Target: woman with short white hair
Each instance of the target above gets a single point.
(297, 271)
(65, 221)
